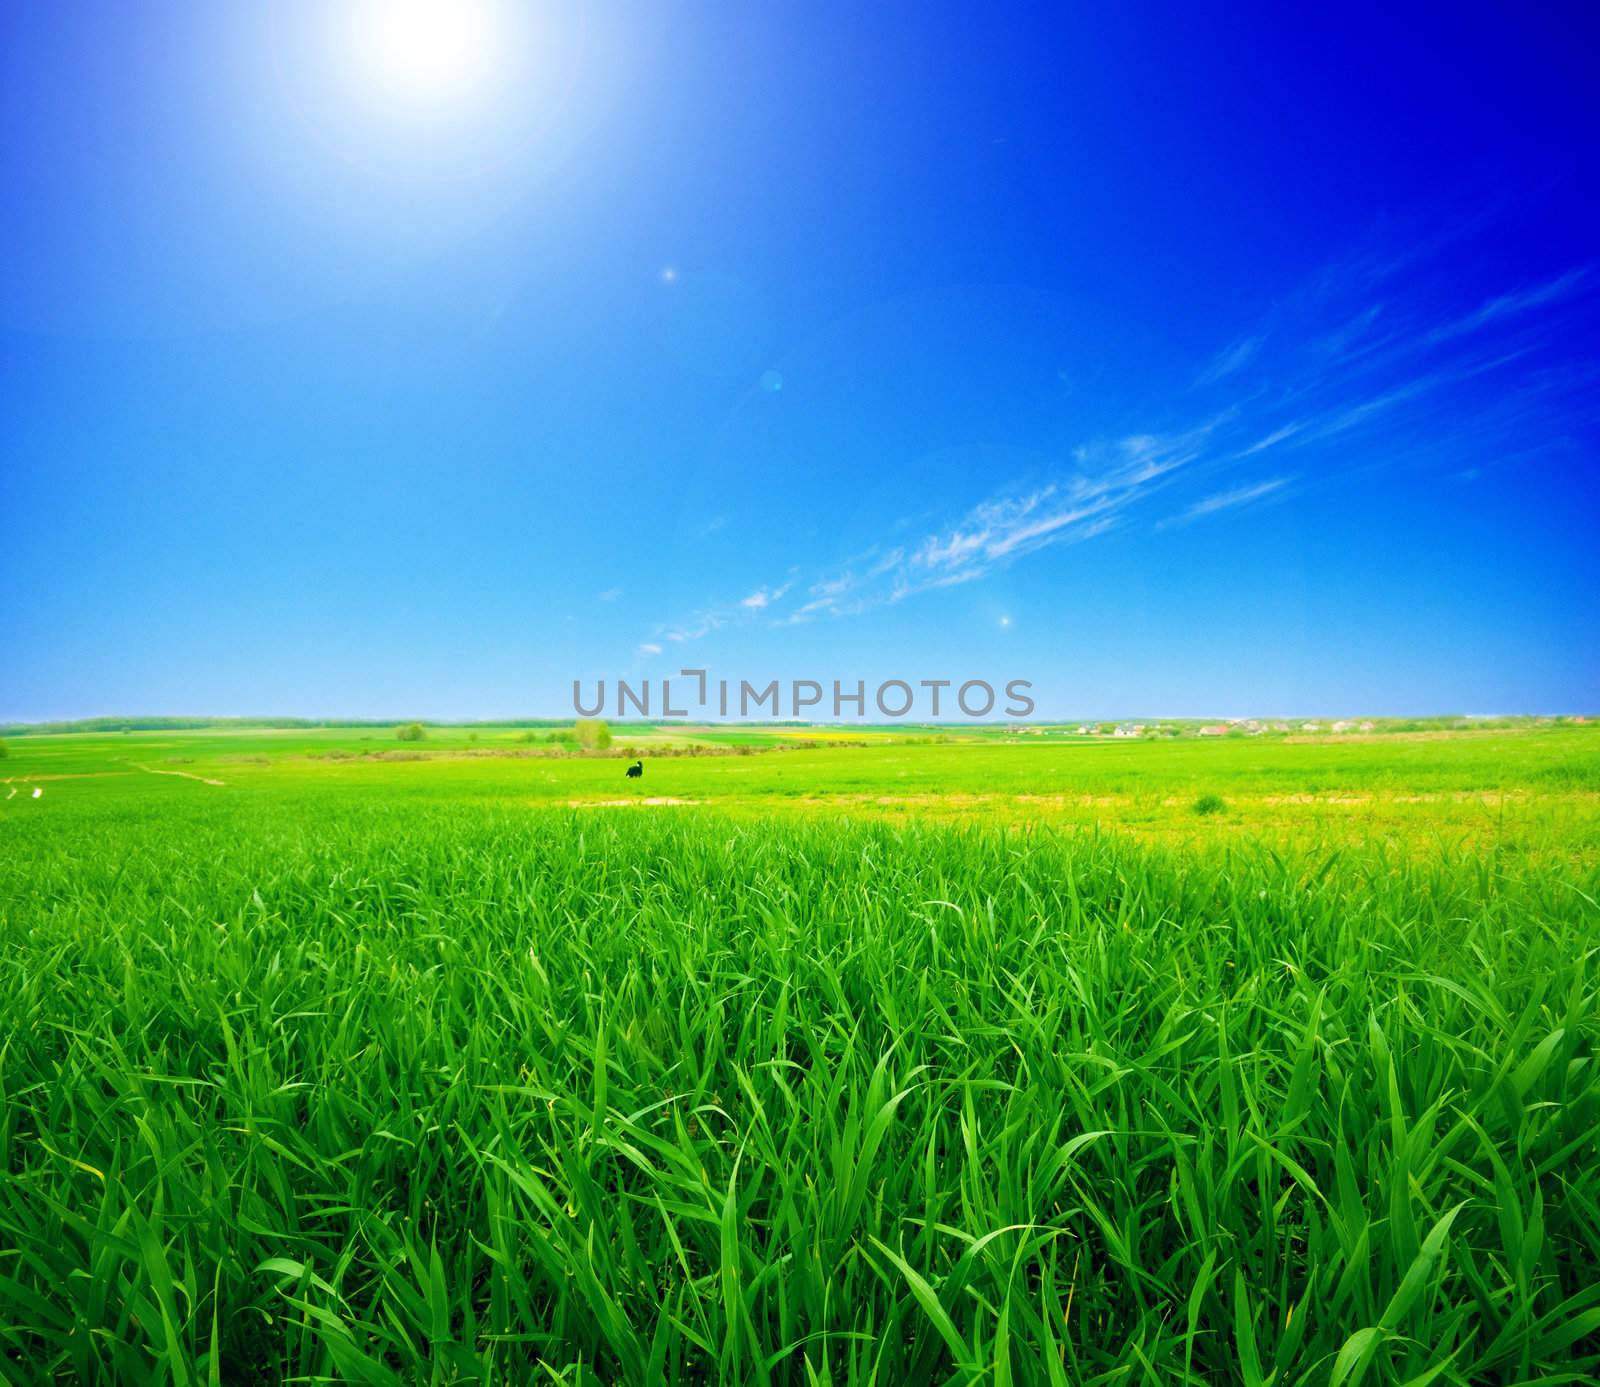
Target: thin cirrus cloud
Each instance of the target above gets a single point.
(1339, 372)
(762, 598)
(1225, 500)
(1510, 304)
(1111, 478)
(1279, 435)
(1231, 360)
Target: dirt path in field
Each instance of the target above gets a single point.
(623, 803)
(203, 779)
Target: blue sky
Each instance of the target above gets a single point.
(1182, 363)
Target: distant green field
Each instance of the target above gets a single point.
(1534, 791)
(328, 1058)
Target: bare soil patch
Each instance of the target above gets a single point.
(649, 800)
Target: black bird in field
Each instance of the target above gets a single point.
(635, 770)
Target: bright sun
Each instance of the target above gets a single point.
(428, 50)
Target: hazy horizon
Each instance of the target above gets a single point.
(511, 719)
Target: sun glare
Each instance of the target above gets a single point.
(429, 50)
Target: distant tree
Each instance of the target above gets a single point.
(411, 732)
(592, 734)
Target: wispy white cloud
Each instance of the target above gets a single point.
(1343, 339)
(1110, 476)
(609, 595)
(762, 598)
(1107, 477)
(1507, 305)
(649, 648)
(1349, 415)
(1226, 500)
(831, 595)
(1009, 527)
(702, 624)
(1230, 360)
(1049, 529)
(1351, 350)
(1277, 436)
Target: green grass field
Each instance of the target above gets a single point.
(977, 1061)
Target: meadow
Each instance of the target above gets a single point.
(326, 1059)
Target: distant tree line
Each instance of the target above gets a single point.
(181, 724)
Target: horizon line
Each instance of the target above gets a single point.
(289, 721)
